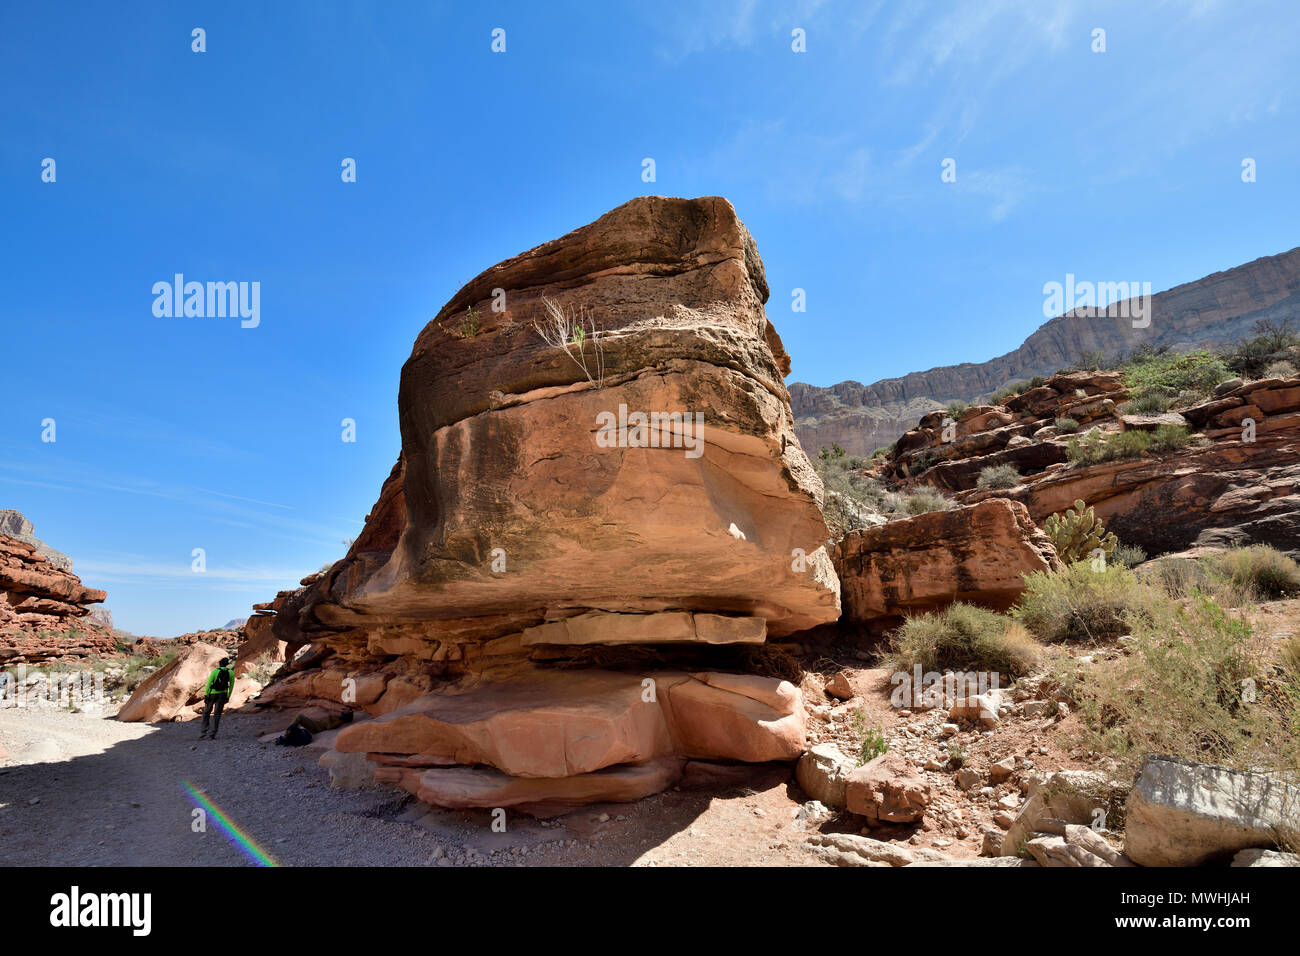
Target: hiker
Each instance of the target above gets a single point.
(221, 684)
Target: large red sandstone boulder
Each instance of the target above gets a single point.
(167, 692)
(508, 508)
(975, 553)
(532, 530)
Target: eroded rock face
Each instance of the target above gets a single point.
(534, 517)
(976, 553)
(1237, 486)
(44, 608)
(500, 448)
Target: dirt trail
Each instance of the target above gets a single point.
(111, 794)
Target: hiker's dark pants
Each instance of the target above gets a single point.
(213, 704)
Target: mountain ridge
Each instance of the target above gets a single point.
(1213, 310)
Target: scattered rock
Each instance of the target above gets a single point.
(1257, 857)
(1002, 770)
(1064, 797)
(887, 789)
(822, 773)
(838, 687)
(848, 849)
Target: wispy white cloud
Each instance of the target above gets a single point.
(132, 569)
(201, 503)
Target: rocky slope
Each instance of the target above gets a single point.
(522, 538)
(1233, 484)
(1218, 309)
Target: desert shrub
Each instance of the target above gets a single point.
(924, 500)
(1080, 605)
(1037, 381)
(1259, 570)
(1151, 401)
(850, 494)
(998, 476)
(469, 323)
(263, 668)
(923, 462)
(1195, 685)
(1007, 391)
(1177, 577)
(1066, 426)
(1289, 656)
(873, 745)
(1095, 448)
(882, 452)
(1280, 370)
(1169, 438)
(1128, 555)
(955, 409)
(956, 756)
(1181, 577)
(1197, 371)
(843, 513)
(1269, 342)
(963, 637)
(1077, 534)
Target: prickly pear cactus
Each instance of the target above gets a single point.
(1078, 534)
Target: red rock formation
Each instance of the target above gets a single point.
(43, 609)
(976, 554)
(175, 691)
(1229, 489)
(512, 533)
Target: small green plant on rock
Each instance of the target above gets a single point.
(873, 745)
(469, 323)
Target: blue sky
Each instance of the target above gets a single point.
(181, 433)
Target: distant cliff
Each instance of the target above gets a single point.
(15, 525)
(1218, 309)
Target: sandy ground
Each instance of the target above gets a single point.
(78, 789)
(83, 789)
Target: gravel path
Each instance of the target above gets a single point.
(85, 790)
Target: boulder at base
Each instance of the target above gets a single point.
(1185, 814)
(166, 693)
